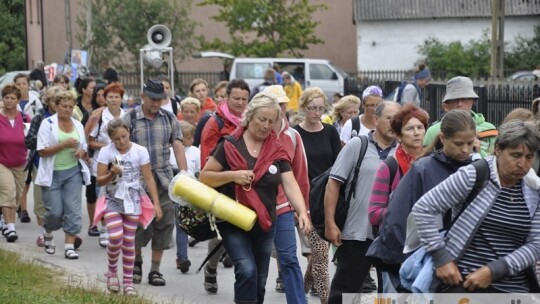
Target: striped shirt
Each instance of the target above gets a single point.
(497, 237)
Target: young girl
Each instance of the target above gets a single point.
(123, 203)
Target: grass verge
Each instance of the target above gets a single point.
(29, 282)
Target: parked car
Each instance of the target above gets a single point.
(523, 76)
(8, 77)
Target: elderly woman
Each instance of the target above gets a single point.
(62, 147)
(250, 165)
(497, 236)
(346, 108)
(189, 110)
(49, 109)
(12, 158)
(371, 97)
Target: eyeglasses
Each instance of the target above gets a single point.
(314, 109)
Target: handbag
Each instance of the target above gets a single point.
(197, 223)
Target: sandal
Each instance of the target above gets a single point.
(210, 282)
(70, 254)
(130, 291)
(11, 236)
(49, 246)
(113, 285)
(156, 279)
(137, 272)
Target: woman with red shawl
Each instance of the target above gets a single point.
(249, 166)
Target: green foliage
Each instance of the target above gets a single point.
(262, 28)
(526, 53)
(119, 28)
(454, 58)
(12, 36)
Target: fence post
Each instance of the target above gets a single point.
(481, 104)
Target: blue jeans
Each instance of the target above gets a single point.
(285, 243)
(181, 238)
(62, 201)
(250, 253)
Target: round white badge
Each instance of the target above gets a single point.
(272, 169)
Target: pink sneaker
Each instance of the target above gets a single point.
(40, 242)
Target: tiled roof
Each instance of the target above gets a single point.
(374, 10)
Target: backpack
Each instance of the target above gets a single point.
(393, 168)
(202, 122)
(397, 93)
(318, 189)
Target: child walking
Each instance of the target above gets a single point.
(123, 202)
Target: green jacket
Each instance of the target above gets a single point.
(486, 132)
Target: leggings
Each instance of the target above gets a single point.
(121, 229)
(317, 270)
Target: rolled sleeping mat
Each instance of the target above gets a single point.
(208, 199)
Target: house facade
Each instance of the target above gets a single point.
(390, 31)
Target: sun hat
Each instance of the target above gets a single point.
(277, 92)
(459, 87)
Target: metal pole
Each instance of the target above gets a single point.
(497, 39)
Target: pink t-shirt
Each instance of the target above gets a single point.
(12, 148)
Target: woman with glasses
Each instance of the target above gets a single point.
(371, 97)
(322, 146)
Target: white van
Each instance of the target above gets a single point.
(308, 72)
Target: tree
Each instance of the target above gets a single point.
(119, 29)
(264, 28)
(455, 59)
(12, 36)
(526, 53)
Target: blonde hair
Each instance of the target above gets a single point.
(221, 85)
(188, 130)
(309, 94)
(190, 101)
(61, 95)
(261, 100)
(343, 104)
(519, 113)
(49, 94)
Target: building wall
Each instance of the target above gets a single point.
(34, 39)
(392, 45)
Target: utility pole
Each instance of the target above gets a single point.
(69, 41)
(497, 39)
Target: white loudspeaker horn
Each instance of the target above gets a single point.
(152, 56)
(159, 36)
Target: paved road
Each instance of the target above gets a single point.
(181, 288)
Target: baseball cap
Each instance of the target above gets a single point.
(277, 92)
(459, 87)
(154, 89)
(372, 90)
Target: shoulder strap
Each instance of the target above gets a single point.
(355, 121)
(174, 106)
(219, 120)
(482, 176)
(393, 167)
(363, 150)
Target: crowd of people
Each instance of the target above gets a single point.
(263, 147)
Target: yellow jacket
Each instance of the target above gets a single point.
(293, 91)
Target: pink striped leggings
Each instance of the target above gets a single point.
(121, 229)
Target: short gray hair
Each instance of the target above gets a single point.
(260, 100)
(516, 132)
(380, 107)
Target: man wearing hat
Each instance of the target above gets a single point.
(371, 97)
(290, 273)
(157, 130)
(460, 95)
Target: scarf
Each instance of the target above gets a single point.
(271, 151)
(404, 159)
(224, 108)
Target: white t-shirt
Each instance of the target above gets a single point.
(168, 106)
(346, 130)
(125, 198)
(193, 158)
(101, 135)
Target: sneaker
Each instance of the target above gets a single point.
(93, 231)
(40, 242)
(71, 254)
(103, 237)
(183, 265)
(11, 236)
(279, 285)
(77, 243)
(24, 217)
(369, 285)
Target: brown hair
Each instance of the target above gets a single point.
(11, 89)
(195, 82)
(404, 114)
(114, 124)
(519, 113)
(114, 87)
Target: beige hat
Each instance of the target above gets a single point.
(277, 92)
(459, 87)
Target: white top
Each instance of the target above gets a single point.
(47, 137)
(33, 106)
(193, 158)
(346, 130)
(101, 135)
(168, 106)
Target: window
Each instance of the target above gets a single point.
(320, 72)
(251, 70)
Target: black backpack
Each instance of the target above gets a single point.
(355, 121)
(202, 122)
(318, 189)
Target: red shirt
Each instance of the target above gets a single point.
(12, 148)
(211, 135)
